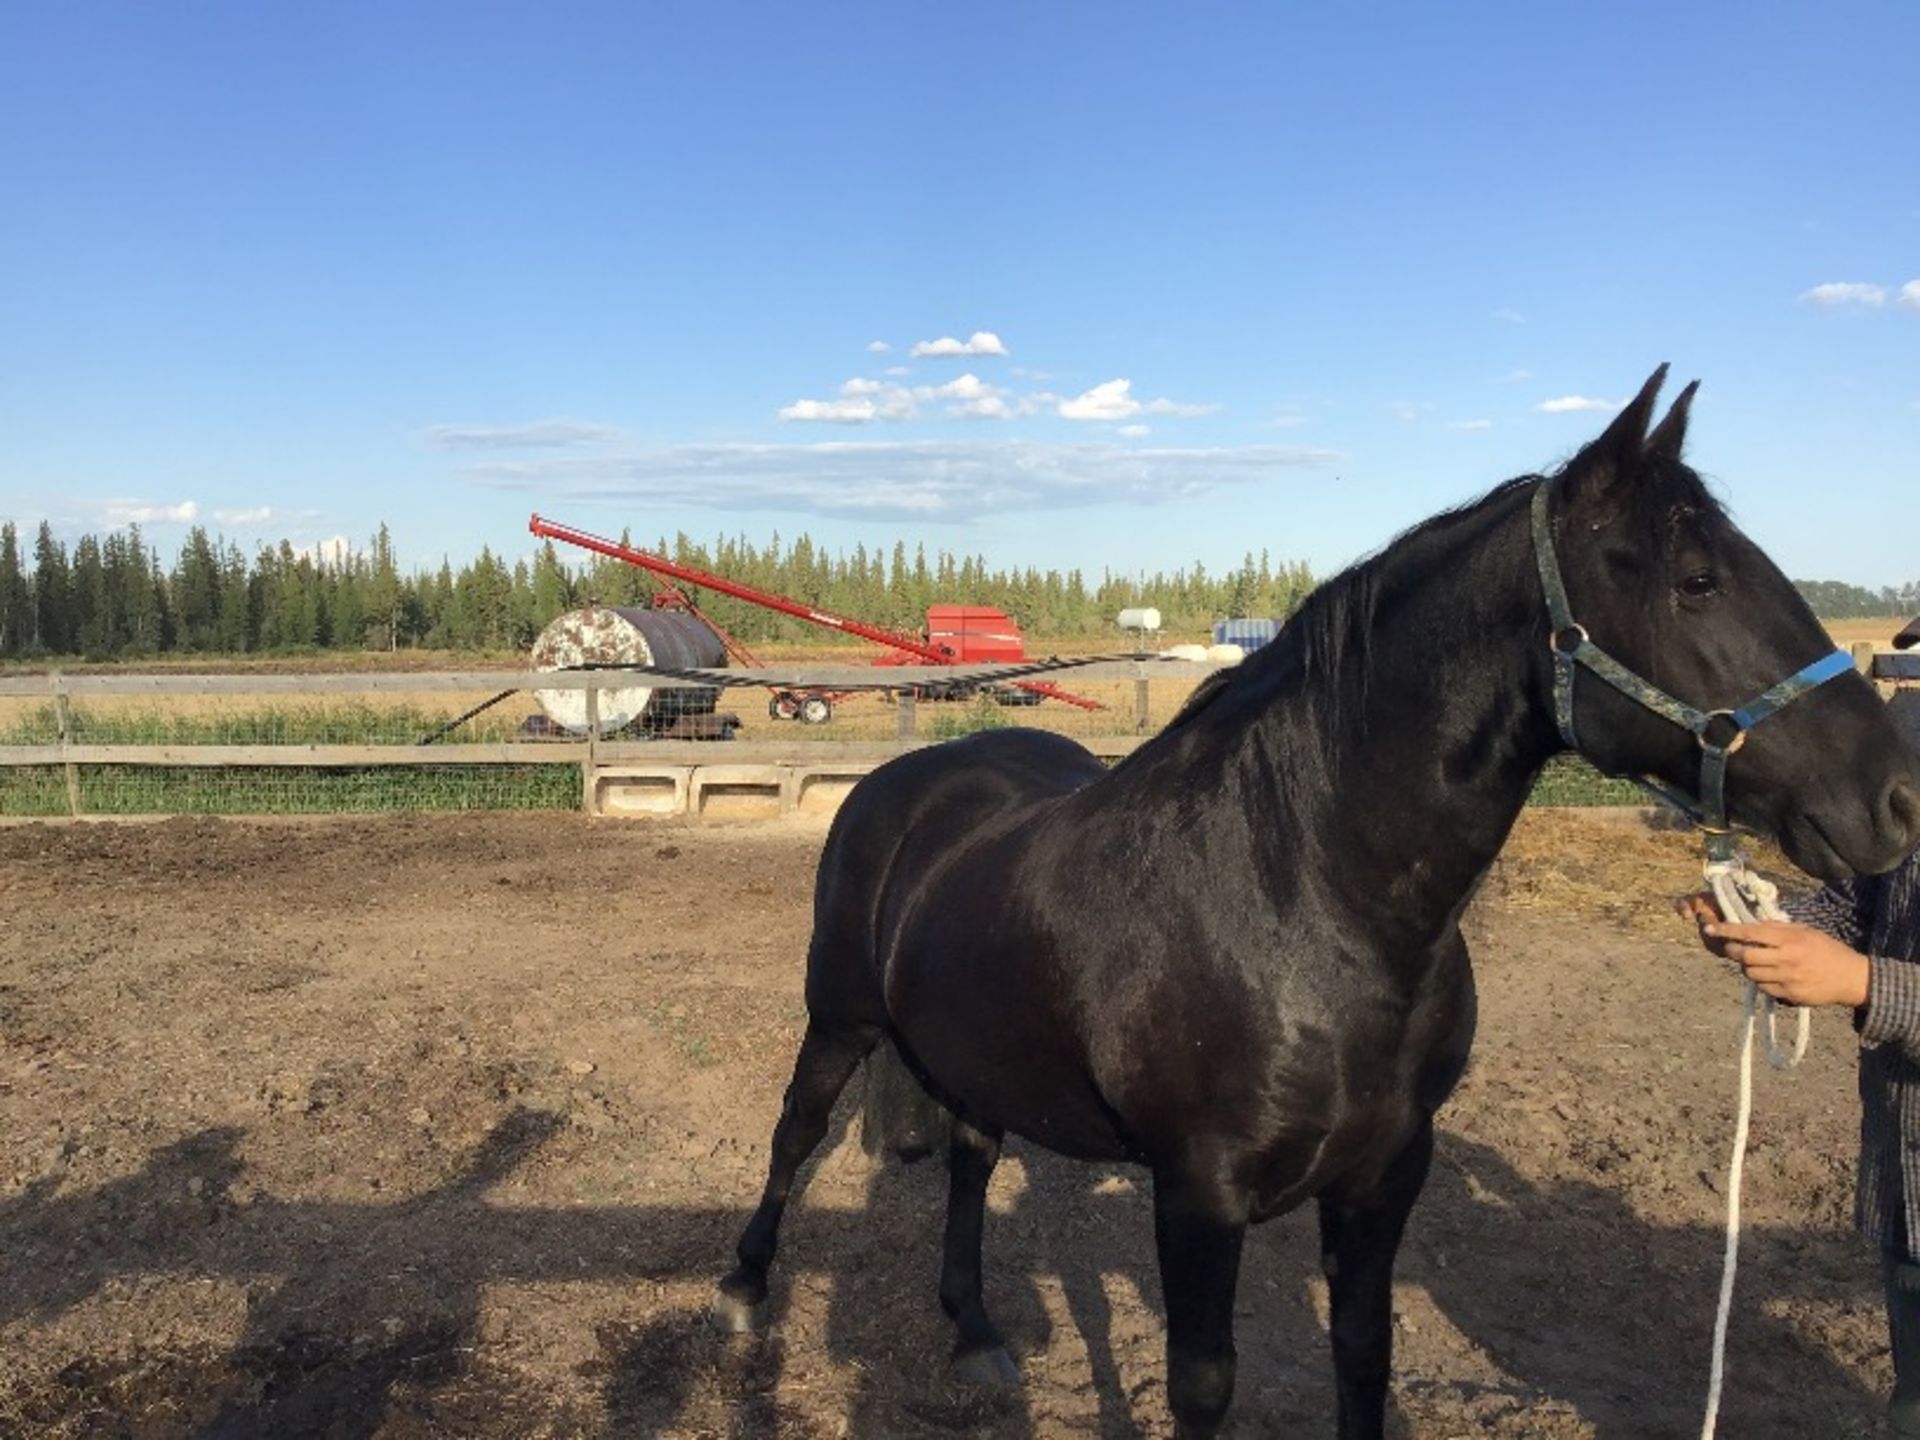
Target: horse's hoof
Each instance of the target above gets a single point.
(732, 1315)
(990, 1367)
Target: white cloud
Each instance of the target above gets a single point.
(255, 515)
(1111, 400)
(968, 397)
(1509, 316)
(862, 400)
(879, 347)
(539, 435)
(967, 387)
(981, 342)
(1287, 421)
(1134, 432)
(1574, 404)
(1469, 425)
(1180, 407)
(899, 370)
(1910, 295)
(146, 512)
(1405, 411)
(856, 411)
(1514, 377)
(935, 480)
(1838, 293)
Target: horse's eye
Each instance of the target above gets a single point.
(1700, 585)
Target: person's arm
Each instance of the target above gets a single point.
(1891, 1014)
(1818, 957)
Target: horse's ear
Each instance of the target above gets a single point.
(1670, 435)
(1617, 455)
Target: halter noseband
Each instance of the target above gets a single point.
(1572, 647)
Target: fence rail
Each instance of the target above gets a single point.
(66, 754)
(827, 677)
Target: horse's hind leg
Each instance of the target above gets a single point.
(828, 1056)
(979, 1354)
(1358, 1241)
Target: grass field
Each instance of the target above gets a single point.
(1880, 632)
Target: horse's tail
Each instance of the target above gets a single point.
(898, 1118)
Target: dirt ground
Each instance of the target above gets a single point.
(445, 1126)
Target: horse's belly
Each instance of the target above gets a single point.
(1009, 1079)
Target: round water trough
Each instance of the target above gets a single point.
(604, 635)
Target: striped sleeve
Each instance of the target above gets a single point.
(1892, 1013)
(1843, 909)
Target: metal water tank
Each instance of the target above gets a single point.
(604, 635)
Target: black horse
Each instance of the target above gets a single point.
(1236, 958)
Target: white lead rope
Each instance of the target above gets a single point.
(1743, 898)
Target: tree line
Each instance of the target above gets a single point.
(109, 596)
(1837, 600)
(112, 595)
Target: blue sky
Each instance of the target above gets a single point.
(1231, 277)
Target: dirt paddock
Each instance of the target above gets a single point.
(445, 1126)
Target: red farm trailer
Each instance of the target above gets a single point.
(954, 634)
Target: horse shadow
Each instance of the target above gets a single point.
(365, 1318)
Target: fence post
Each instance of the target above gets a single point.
(908, 721)
(1140, 711)
(63, 714)
(590, 767)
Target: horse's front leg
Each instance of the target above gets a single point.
(1198, 1227)
(1359, 1237)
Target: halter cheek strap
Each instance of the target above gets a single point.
(1719, 732)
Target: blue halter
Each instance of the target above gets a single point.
(1719, 732)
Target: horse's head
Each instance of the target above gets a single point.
(1666, 584)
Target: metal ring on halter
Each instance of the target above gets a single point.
(1739, 731)
(1573, 628)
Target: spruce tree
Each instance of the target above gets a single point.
(52, 598)
(16, 600)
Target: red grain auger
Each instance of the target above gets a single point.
(954, 634)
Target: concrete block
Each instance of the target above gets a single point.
(643, 790)
(739, 792)
(819, 789)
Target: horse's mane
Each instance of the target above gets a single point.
(1333, 625)
(1330, 636)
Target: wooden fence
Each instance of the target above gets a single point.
(594, 754)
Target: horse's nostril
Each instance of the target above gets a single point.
(1903, 806)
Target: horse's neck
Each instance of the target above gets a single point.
(1428, 765)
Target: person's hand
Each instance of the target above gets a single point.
(1795, 962)
(1701, 908)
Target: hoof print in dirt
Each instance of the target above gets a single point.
(988, 1368)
